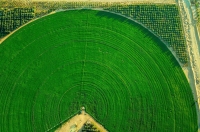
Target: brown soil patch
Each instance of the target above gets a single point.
(75, 124)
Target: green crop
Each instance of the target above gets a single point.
(123, 75)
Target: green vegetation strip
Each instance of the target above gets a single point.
(123, 75)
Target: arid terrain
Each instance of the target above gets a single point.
(76, 123)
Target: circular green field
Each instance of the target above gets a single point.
(123, 75)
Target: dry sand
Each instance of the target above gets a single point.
(76, 123)
(193, 45)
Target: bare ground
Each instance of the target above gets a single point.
(193, 45)
(76, 123)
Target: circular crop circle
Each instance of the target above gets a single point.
(122, 74)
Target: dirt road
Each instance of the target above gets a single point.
(193, 45)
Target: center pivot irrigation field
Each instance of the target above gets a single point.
(123, 75)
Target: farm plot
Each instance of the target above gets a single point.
(11, 19)
(124, 76)
(162, 19)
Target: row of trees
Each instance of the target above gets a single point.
(197, 5)
(10, 19)
(198, 15)
(163, 20)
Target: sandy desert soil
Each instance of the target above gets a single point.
(193, 44)
(75, 124)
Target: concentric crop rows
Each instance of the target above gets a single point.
(163, 20)
(124, 76)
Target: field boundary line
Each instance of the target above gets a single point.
(192, 48)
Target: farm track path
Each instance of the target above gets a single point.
(193, 44)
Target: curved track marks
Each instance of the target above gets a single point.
(124, 76)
